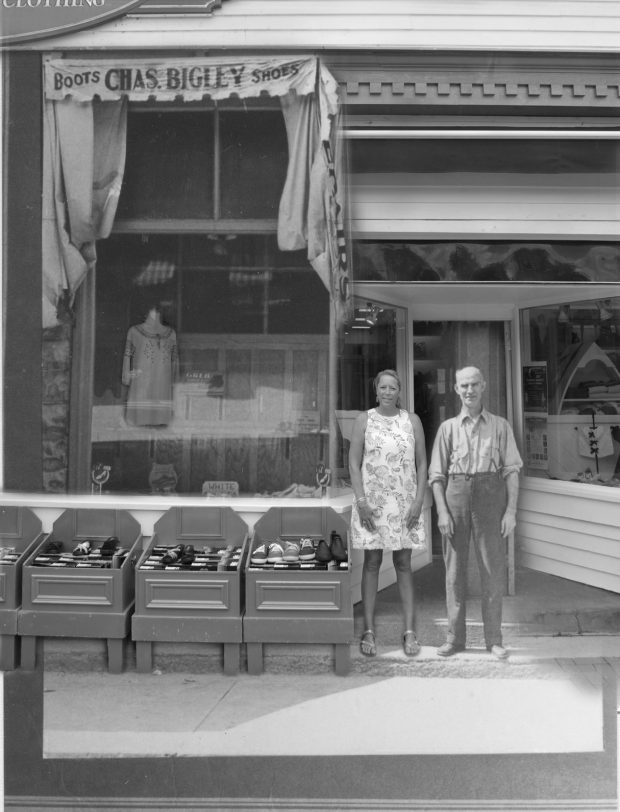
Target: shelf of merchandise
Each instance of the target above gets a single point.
(301, 605)
(191, 604)
(583, 365)
(81, 601)
(20, 533)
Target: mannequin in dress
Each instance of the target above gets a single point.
(150, 368)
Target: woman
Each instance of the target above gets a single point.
(387, 464)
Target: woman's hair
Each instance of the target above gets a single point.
(393, 374)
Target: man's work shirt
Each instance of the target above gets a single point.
(466, 445)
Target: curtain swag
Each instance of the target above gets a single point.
(84, 156)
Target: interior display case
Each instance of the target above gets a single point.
(582, 434)
(189, 583)
(20, 533)
(79, 582)
(301, 596)
(571, 391)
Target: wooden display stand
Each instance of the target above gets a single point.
(302, 605)
(195, 606)
(20, 530)
(81, 602)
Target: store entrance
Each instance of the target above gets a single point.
(441, 347)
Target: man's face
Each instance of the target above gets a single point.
(469, 387)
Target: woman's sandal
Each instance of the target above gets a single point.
(368, 645)
(411, 647)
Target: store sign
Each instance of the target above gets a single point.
(24, 20)
(191, 78)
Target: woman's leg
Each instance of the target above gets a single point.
(370, 584)
(404, 580)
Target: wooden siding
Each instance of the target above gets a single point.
(500, 25)
(572, 535)
(459, 206)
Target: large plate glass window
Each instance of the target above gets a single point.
(571, 391)
(210, 344)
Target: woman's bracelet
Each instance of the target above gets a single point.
(361, 499)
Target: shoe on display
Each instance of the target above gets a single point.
(306, 550)
(52, 547)
(275, 552)
(259, 556)
(173, 554)
(323, 553)
(189, 554)
(339, 551)
(291, 552)
(109, 546)
(83, 548)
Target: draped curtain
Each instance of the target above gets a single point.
(83, 166)
(84, 162)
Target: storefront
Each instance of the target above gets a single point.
(166, 195)
(480, 192)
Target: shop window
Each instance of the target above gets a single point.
(571, 391)
(169, 166)
(203, 165)
(239, 400)
(210, 347)
(498, 261)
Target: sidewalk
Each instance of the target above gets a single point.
(545, 698)
(549, 618)
(549, 709)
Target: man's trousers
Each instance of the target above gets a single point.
(477, 503)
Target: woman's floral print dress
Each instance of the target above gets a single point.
(390, 482)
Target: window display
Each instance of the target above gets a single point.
(571, 391)
(210, 367)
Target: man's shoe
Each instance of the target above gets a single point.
(499, 652)
(449, 649)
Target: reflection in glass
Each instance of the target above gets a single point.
(408, 261)
(210, 366)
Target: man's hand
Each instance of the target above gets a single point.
(445, 523)
(509, 522)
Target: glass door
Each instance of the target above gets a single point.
(374, 340)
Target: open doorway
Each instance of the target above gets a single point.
(440, 348)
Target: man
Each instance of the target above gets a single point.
(474, 474)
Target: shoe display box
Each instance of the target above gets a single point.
(197, 602)
(20, 533)
(298, 604)
(86, 597)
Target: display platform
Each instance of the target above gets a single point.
(304, 598)
(20, 533)
(189, 583)
(79, 582)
